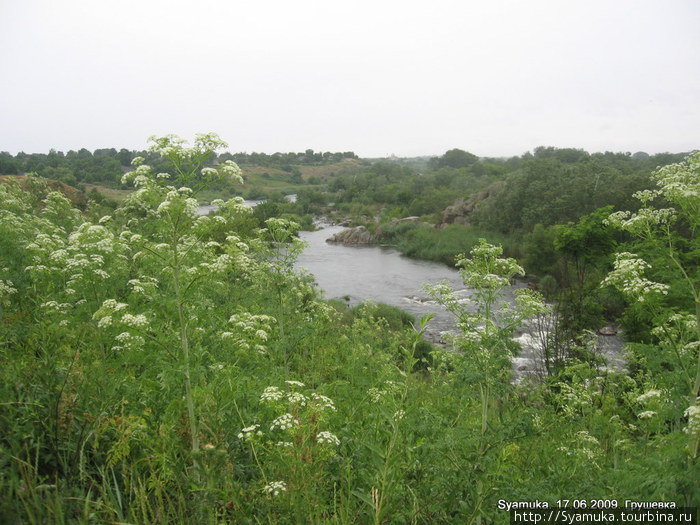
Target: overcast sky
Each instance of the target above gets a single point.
(494, 77)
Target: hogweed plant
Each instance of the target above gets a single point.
(164, 230)
(672, 232)
(294, 444)
(486, 321)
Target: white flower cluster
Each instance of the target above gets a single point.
(389, 388)
(143, 286)
(647, 414)
(297, 398)
(291, 382)
(230, 170)
(646, 396)
(209, 173)
(252, 331)
(129, 341)
(271, 394)
(680, 183)
(135, 321)
(583, 436)
(61, 308)
(321, 402)
(275, 487)
(530, 302)
(178, 201)
(249, 432)
(221, 264)
(641, 222)
(284, 422)
(140, 176)
(7, 288)
(327, 438)
(627, 277)
(375, 394)
(112, 313)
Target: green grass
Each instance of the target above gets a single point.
(443, 245)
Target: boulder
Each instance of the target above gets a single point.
(460, 211)
(608, 330)
(357, 235)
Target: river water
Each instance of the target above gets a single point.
(360, 273)
(381, 274)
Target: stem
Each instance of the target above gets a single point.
(185, 346)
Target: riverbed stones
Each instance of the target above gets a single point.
(356, 235)
(608, 330)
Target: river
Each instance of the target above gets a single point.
(380, 274)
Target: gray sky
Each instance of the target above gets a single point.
(495, 77)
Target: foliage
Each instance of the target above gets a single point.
(165, 367)
(670, 235)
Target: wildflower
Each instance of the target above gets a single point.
(322, 402)
(375, 394)
(297, 398)
(627, 277)
(208, 446)
(7, 288)
(648, 395)
(295, 383)
(275, 487)
(399, 414)
(248, 432)
(647, 414)
(327, 438)
(585, 437)
(271, 393)
(284, 422)
(284, 444)
(135, 321)
(230, 170)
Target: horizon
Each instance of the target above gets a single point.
(361, 157)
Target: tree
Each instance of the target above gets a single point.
(454, 158)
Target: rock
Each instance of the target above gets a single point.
(357, 235)
(36, 186)
(608, 330)
(459, 212)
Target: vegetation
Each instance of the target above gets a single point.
(165, 367)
